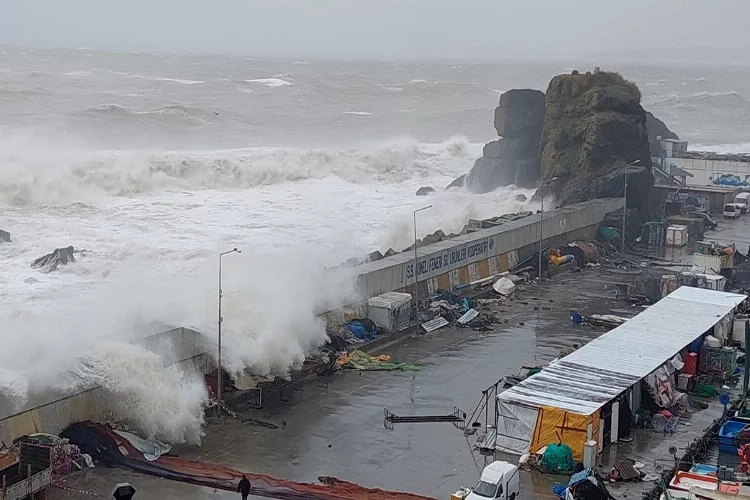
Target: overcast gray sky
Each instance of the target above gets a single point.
(384, 28)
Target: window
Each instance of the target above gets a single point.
(486, 490)
(499, 493)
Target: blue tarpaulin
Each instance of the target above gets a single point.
(574, 479)
(360, 331)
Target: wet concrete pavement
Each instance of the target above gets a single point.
(338, 431)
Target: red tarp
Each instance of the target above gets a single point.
(111, 449)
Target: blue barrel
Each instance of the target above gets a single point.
(576, 318)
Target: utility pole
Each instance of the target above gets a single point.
(220, 381)
(416, 281)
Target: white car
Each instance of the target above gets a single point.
(499, 480)
(732, 211)
(743, 201)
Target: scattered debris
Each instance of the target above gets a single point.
(504, 286)
(623, 471)
(457, 417)
(468, 316)
(434, 324)
(358, 360)
(604, 320)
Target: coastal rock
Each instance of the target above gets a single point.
(457, 182)
(4, 236)
(594, 126)
(52, 261)
(521, 197)
(514, 158)
(425, 190)
(657, 128)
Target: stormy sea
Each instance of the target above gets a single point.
(151, 164)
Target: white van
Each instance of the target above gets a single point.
(743, 200)
(731, 210)
(499, 480)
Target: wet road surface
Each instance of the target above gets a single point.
(338, 431)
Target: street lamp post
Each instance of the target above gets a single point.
(625, 208)
(416, 284)
(220, 381)
(541, 223)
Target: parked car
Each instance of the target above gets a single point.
(732, 211)
(499, 480)
(743, 200)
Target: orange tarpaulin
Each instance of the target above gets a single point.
(554, 425)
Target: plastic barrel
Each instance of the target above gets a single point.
(691, 364)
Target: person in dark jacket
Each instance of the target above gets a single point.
(244, 487)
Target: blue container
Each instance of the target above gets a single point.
(576, 318)
(727, 433)
(704, 469)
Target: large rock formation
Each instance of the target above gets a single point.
(657, 128)
(594, 125)
(514, 158)
(51, 261)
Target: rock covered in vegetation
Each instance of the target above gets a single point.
(594, 125)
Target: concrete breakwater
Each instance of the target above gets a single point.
(446, 264)
(482, 253)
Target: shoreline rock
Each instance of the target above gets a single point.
(594, 126)
(657, 128)
(52, 261)
(514, 157)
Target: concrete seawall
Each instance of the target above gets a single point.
(446, 264)
(483, 253)
(50, 412)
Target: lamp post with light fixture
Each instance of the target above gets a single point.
(541, 222)
(416, 284)
(220, 381)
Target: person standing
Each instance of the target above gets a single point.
(244, 487)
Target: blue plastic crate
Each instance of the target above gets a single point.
(727, 433)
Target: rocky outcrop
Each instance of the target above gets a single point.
(51, 261)
(657, 128)
(594, 125)
(4, 236)
(514, 158)
(457, 182)
(425, 190)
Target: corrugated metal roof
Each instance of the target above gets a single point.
(583, 381)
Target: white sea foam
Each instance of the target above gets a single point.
(153, 224)
(722, 148)
(271, 82)
(180, 81)
(35, 175)
(359, 113)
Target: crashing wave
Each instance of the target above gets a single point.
(33, 178)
